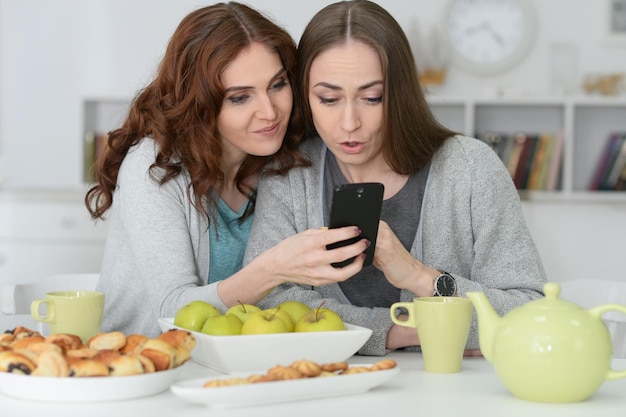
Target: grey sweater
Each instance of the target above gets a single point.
(156, 255)
(471, 225)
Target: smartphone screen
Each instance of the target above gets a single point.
(359, 205)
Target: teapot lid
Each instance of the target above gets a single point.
(552, 300)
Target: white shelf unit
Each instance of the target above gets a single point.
(102, 114)
(586, 123)
(46, 232)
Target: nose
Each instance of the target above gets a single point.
(351, 119)
(266, 108)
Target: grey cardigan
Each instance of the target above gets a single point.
(471, 225)
(156, 256)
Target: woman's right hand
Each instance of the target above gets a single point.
(304, 259)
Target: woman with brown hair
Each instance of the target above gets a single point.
(178, 180)
(451, 218)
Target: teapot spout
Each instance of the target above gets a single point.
(488, 322)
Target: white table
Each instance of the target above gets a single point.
(476, 391)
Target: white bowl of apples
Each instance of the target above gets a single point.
(259, 340)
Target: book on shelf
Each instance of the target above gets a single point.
(527, 161)
(620, 185)
(518, 148)
(554, 164)
(536, 179)
(94, 147)
(610, 164)
(533, 160)
(616, 168)
(508, 145)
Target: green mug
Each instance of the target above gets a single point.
(442, 325)
(73, 312)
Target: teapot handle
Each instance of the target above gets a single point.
(598, 312)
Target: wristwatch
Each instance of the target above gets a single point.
(445, 285)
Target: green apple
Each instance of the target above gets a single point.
(243, 311)
(295, 309)
(320, 320)
(192, 315)
(284, 316)
(203, 305)
(226, 325)
(264, 322)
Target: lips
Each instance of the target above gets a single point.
(352, 147)
(269, 130)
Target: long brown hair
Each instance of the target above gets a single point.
(411, 134)
(179, 108)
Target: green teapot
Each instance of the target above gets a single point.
(548, 350)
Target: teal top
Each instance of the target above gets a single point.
(227, 241)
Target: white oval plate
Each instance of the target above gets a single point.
(279, 391)
(86, 389)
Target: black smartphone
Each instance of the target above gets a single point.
(357, 204)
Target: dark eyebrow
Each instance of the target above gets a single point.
(279, 74)
(336, 87)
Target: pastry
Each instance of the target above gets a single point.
(109, 340)
(79, 367)
(65, 341)
(106, 356)
(177, 337)
(284, 373)
(303, 369)
(148, 365)
(383, 365)
(134, 343)
(16, 363)
(82, 353)
(51, 363)
(261, 378)
(161, 353)
(6, 339)
(23, 342)
(20, 332)
(355, 370)
(225, 382)
(33, 350)
(61, 355)
(181, 356)
(307, 368)
(334, 366)
(125, 365)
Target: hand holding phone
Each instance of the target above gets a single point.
(357, 204)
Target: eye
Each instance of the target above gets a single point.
(328, 101)
(280, 84)
(374, 100)
(238, 99)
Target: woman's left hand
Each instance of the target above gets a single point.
(400, 268)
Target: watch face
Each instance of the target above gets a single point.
(445, 285)
(489, 35)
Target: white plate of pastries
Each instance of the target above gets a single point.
(249, 353)
(301, 380)
(110, 366)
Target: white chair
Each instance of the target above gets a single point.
(17, 298)
(588, 293)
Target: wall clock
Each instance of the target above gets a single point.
(489, 36)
